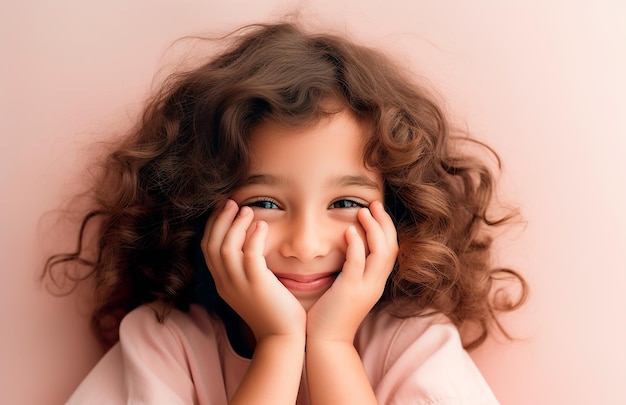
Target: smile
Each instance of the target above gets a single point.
(298, 282)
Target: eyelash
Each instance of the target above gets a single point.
(263, 203)
(355, 204)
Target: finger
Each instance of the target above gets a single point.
(386, 223)
(212, 238)
(231, 250)
(355, 256)
(219, 207)
(253, 251)
(374, 234)
(382, 254)
(216, 227)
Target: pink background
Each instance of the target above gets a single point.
(541, 81)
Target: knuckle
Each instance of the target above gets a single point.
(209, 245)
(249, 262)
(223, 250)
(395, 249)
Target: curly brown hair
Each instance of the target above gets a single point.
(189, 152)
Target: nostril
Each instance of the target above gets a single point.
(304, 245)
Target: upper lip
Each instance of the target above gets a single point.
(305, 278)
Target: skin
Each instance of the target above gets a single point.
(302, 252)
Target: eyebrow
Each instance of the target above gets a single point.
(265, 179)
(342, 181)
(360, 181)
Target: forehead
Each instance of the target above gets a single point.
(336, 140)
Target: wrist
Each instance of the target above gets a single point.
(317, 334)
(274, 374)
(287, 342)
(323, 342)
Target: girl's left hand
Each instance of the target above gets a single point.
(338, 313)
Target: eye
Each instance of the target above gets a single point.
(263, 203)
(345, 203)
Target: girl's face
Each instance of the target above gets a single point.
(308, 185)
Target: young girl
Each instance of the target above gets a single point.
(290, 222)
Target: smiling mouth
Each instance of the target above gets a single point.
(307, 282)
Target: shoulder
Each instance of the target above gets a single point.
(143, 330)
(147, 316)
(147, 319)
(387, 337)
(156, 361)
(419, 357)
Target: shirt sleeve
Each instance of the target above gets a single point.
(153, 363)
(421, 361)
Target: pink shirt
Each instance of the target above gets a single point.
(189, 360)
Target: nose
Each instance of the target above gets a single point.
(306, 238)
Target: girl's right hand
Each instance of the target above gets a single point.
(233, 247)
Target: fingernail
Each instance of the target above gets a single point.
(229, 204)
(379, 205)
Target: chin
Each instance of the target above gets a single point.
(307, 304)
